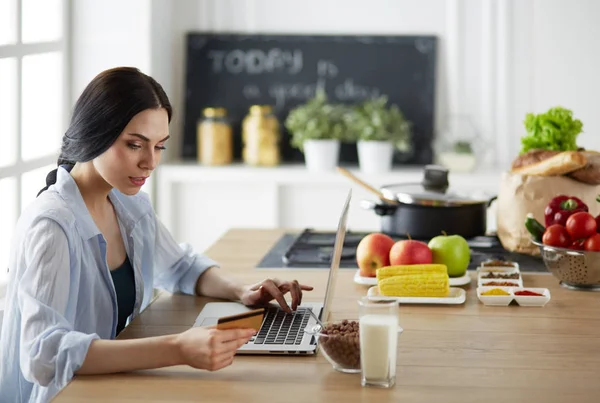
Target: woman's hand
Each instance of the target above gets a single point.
(269, 289)
(210, 348)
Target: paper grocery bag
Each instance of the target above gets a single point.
(520, 195)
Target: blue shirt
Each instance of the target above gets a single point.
(60, 294)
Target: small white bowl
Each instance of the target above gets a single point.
(481, 280)
(531, 300)
(497, 270)
(484, 282)
(483, 268)
(495, 300)
(481, 277)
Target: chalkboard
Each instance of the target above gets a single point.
(236, 71)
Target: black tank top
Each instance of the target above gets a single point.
(124, 281)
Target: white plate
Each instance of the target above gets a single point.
(457, 296)
(358, 279)
(462, 280)
(454, 281)
(524, 300)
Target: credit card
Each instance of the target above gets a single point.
(247, 320)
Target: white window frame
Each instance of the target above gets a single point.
(19, 50)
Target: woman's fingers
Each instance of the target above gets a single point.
(234, 334)
(296, 294)
(274, 288)
(224, 346)
(295, 290)
(223, 362)
(220, 361)
(231, 346)
(256, 287)
(275, 292)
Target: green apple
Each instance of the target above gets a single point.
(453, 251)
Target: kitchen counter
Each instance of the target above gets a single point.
(464, 353)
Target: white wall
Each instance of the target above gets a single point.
(499, 59)
(566, 61)
(308, 17)
(107, 34)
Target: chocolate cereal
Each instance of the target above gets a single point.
(340, 341)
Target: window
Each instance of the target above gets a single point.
(34, 105)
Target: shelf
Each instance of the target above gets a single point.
(182, 172)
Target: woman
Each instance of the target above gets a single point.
(89, 251)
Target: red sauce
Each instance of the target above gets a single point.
(528, 293)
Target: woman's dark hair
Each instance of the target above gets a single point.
(103, 110)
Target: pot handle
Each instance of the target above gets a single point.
(380, 209)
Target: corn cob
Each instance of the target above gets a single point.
(401, 270)
(415, 285)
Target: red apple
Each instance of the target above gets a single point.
(410, 252)
(373, 252)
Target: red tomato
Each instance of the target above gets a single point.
(581, 225)
(578, 244)
(593, 243)
(556, 235)
(598, 223)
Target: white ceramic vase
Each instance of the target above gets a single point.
(375, 156)
(321, 155)
(456, 162)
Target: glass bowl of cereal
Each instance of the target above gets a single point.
(339, 342)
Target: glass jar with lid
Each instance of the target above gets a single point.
(214, 137)
(260, 137)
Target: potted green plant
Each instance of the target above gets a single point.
(458, 145)
(459, 157)
(317, 128)
(378, 129)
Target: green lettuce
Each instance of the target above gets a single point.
(554, 130)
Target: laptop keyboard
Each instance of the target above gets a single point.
(280, 327)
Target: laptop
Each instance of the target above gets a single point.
(282, 332)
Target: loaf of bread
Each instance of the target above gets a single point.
(561, 163)
(531, 157)
(590, 173)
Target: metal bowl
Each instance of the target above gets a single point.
(576, 269)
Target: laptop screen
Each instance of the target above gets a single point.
(336, 257)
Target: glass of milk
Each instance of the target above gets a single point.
(379, 331)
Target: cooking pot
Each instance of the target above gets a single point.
(427, 209)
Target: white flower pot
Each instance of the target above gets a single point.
(456, 162)
(321, 155)
(375, 156)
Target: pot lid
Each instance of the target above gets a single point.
(433, 191)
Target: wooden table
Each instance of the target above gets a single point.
(465, 353)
